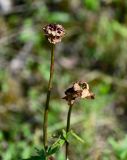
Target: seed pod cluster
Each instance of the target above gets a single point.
(54, 33)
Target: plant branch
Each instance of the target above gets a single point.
(68, 128)
(45, 123)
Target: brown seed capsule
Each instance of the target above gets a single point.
(78, 90)
(54, 32)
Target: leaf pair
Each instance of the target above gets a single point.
(71, 134)
(42, 155)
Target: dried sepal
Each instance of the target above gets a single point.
(79, 90)
(54, 33)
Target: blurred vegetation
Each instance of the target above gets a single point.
(94, 49)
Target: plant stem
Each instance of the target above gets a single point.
(45, 123)
(68, 128)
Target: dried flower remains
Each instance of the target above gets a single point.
(54, 33)
(78, 90)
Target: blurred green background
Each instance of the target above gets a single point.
(94, 49)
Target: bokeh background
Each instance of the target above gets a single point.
(94, 49)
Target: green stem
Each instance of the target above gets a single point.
(45, 123)
(67, 129)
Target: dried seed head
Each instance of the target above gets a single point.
(54, 32)
(78, 90)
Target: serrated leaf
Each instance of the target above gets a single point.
(56, 146)
(40, 152)
(40, 155)
(76, 136)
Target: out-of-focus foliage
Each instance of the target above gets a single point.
(94, 49)
(120, 148)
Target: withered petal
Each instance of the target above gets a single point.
(91, 96)
(85, 93)
(79, 90)
(76, 87)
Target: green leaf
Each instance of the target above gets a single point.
(40, 155)
(40, 152)
(119, 147)
(72, 133)
(64, 134)
(56, 146)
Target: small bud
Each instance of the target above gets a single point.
(78, 90)
(54, 32)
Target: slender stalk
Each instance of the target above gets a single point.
(67, 129)
(45, 124)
